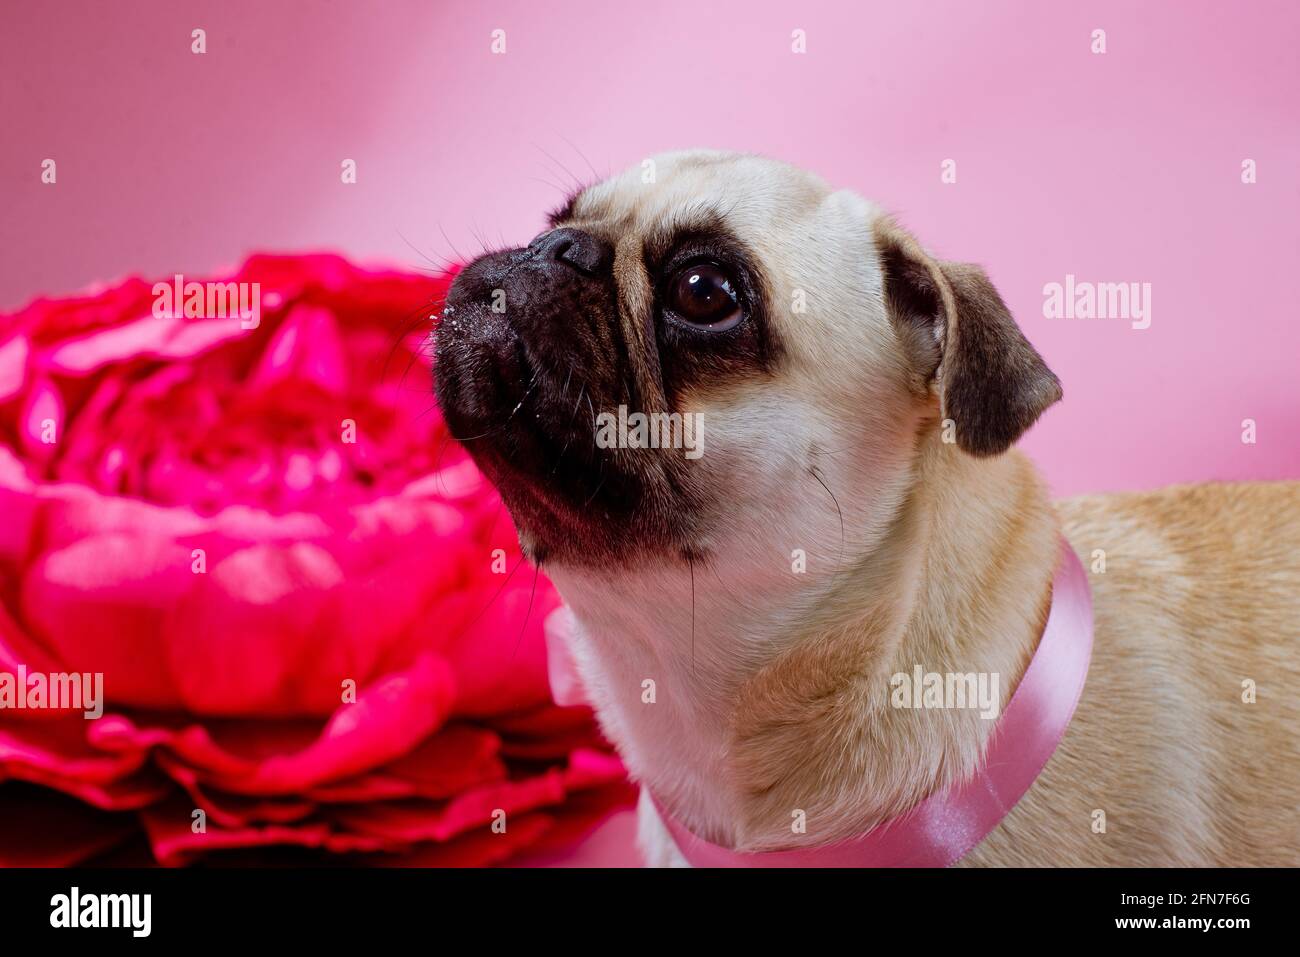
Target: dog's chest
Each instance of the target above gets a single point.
(667, 726)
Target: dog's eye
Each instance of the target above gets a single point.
(704, 295)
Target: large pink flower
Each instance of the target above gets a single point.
(289, 577)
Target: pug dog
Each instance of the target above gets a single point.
(857, 509)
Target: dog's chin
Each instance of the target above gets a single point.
(550, 537)
(598, 518)
(571, 502)
(574, 504)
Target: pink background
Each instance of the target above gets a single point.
(1123, 167)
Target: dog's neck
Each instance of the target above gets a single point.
(758, 711)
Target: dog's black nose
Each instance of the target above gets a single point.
(583, 251)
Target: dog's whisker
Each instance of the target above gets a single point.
(501, 425)
(812, 470)
(572, 418)
(577, 183)
(495, 595)
(555, 186)
(408, 325)
(596, 177)
(537, 570)
(459, 255)
(690, 561)
(442, 264)
(592, 409)
(599, 485)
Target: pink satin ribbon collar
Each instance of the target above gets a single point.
(946, 826)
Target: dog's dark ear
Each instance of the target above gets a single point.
(991, 382)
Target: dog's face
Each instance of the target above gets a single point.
(776, 335)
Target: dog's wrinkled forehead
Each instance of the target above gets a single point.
(750, 195)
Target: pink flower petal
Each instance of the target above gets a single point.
(163, 338)
(18, 505)
(306, 347)
(499, 655)
(242, 639)
(42, 421)
(13, 367)
(386, 721)
(100, 604)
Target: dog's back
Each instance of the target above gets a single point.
(1184, 746)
